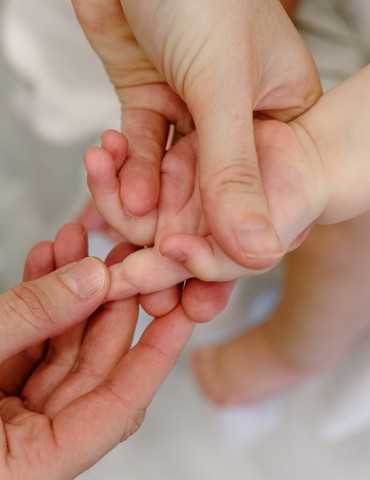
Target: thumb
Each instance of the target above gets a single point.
(231, 189)
(33, 311)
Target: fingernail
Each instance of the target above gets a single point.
(258, 240)
(85, 278)
(176, 255)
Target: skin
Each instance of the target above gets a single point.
(297, 192)
(177, 77)
(49, 414)
(320, 174)
(322, 313)
(324, 305)
(151, 101)
(343, 129)
(90, 216)
(306, 178)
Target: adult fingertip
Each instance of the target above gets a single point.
(203, 301)
(86, 278)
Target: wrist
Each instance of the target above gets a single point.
(338, 127)
(315, 164)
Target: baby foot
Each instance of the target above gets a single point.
(310, 330)
(244, 369)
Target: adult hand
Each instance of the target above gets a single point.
(217, 63)
(103, 393)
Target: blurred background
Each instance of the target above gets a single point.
(55, 100)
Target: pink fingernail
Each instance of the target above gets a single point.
(85, 278)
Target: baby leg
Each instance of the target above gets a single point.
(323, 309)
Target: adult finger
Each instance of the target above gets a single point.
(202, 301)
(33, 311)
(116, 408)
(160, 303)
(233, 197)
(14, 372)
(107, 339)
(39, 261)
(70, 245)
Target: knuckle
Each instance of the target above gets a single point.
(239, 176)
(154, 350)
(132, 414)
(36, 431)
(89, 369)
(31, 304)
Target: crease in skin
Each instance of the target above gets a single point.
(278, 109)
(233, 178)
(127, 287)
(309, 147)
(129, 278)
(157, 97)
(185, 71)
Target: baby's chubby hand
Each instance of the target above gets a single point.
(181, 244)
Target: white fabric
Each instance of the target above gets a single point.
(66, 93)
